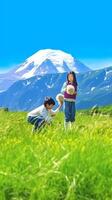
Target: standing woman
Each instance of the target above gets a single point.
(69, 90)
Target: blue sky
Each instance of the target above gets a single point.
(82, 28)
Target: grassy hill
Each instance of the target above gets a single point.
(56, 165)
(104, 110)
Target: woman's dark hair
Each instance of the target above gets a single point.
(49, 101)
(74, 77)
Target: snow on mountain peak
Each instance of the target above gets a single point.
(56, 56)
(49, 61)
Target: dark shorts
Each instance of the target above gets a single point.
(36, 121)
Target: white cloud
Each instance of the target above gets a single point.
(97, 63)
(5, 69)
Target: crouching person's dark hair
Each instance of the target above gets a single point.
(49, 101)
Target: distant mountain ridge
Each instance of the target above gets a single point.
(94, 88)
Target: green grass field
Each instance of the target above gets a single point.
(56, 165)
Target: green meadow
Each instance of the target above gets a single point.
(56, 164)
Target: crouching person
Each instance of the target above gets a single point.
(42, 115)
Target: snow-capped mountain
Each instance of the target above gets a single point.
(43, 74)
(49, 61)
(43, 62)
